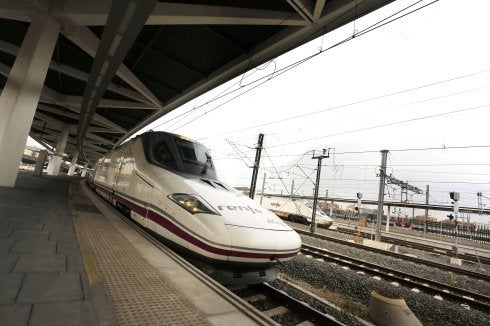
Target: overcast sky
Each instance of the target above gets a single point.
(420, 82)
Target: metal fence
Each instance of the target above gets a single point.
(479, 233)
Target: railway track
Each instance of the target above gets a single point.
(423, 247)
(472, 299)
(282, 302)
(284, 308)
(430, 263)
(279, 302)
(255, 315)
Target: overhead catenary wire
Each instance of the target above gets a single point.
(388, 124)
(279, 72)
(403, 150)
(391, 124)
(393, 166)
(290, 167)
(220, 95)
(409, 150)
(442, 148)
(343, 106)
(293, 175)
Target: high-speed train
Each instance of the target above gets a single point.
(296, 209)
(167, 183)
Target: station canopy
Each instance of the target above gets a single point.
(120, 66)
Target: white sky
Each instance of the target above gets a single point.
(441, 42)
(444, 41)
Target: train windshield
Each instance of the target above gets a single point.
(194, 156)
(162, 154)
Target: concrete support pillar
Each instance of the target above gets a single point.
(84, 172)
(38, 170)
(73, 164)
(54, 164)
(19, 98)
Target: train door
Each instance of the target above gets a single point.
(117, 173)
(125, 163)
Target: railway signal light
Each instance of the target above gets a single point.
(455, 197)
(357, 207)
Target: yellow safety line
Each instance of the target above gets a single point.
(88, 257)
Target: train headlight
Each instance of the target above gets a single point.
(193, 204)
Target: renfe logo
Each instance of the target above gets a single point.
(275, 204)
(239, 208)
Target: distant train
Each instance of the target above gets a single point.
(296, 210)
(167, 183)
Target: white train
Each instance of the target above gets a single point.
(167, 183)
(296, 210)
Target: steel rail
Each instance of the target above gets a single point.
(248, 310)
(476, 300)
(417, 260)
(298, 307)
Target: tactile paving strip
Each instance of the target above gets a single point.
(85, 208)
(138, 293)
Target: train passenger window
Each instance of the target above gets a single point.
(162, 154)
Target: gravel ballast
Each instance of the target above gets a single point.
(351, 290)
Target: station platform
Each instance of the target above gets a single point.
(67, 259)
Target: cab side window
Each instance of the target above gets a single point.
(162, 155)
(188, 154)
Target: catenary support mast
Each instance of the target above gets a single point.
(325, 154)
(255, 173)
(381, 194)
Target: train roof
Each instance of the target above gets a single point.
(158, 134)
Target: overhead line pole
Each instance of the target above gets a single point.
(255, 173)
(427, 209)
(262, 192)
(317, 184)
(381, 194)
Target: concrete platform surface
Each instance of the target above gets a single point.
(42, 276)
(67, 259)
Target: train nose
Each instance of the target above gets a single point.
(262, 245)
